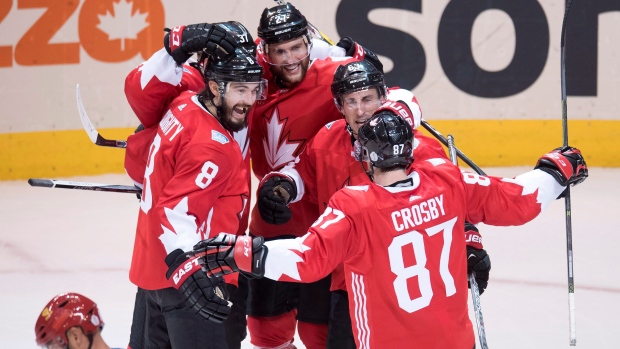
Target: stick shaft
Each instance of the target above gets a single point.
(54, 183)
(473, 285)
(444, 141)
(567, 201)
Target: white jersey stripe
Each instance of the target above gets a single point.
(361, 314)
(355, 288)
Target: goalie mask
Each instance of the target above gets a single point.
(63, 312)
(386, 141)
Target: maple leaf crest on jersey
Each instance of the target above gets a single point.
(278, 150)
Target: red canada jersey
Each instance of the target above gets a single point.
(328, 164)
(149, 89)
(281, 127)
(195, 186)
(403, 250)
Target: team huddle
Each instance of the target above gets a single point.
(363, 233)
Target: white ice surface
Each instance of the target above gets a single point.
(57, 240)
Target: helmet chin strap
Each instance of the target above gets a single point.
(91, 337)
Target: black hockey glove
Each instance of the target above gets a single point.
(206, 295)
(566, 165)
(273, 198)
(227, 253)
(478, 260)
(183, 41)
(350, 46)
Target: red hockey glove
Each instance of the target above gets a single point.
(183, 41)
(351, 46)
(274, 195)
(566, 165)
(227, 253)
(478, 261)
(399, 108)
(206, 295)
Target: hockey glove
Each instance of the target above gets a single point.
(206, 295)
(274, 195)
(350, 46)
(399, 108)
(478, 261)
(227, 253)
(566, 165)
(183, 41)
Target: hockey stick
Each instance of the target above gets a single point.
(473, 285)
(314, 29)
(93, 134)
(445, 142)
(567, 203)
(53, 183)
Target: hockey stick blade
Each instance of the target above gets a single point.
(53, 183)
(92, 132)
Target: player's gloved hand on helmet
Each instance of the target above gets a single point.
(227, 253)
(274, 195)
(478, 260)
(206, 295)
(351, 46)
(565, 164)
(399, 108)
(183, 41)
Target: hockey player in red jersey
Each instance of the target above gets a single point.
(195, 184)
(401, 237)
(154, 84)
(298, 104)
(70, 321)
(330, 162)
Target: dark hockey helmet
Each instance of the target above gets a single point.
(281, 23)
(242, 67)
(386, 140)
(245, 39)
(64, 311)
(356, 76)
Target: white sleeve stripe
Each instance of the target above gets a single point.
(361, 313)
(163, 67)
(548, 188)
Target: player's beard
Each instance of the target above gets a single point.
(291, 78)
(230, 117)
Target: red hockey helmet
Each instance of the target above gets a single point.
(64, 311)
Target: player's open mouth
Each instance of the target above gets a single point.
(293, 68)
(240, 111)
(361, 122)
